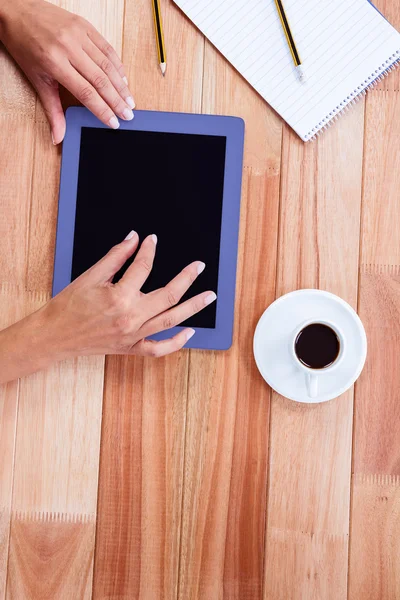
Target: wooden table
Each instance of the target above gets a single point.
(186, 478)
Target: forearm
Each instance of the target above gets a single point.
(27, 347)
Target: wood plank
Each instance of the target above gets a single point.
(16, 155)
(10, 312)
(139, 510)
(140, 494)
(17, 98)
(380, 239)
(55, 481)
(310, 445)
(181, 87)
(375, 531)
(107, 16)
(16, 149)
(8, 422)
(375, 524)
(375, 516)
(376, 444)
(320, 207)
(56, 467)
(51, 556)
(43, 212)
(391, 10)
(228, 413)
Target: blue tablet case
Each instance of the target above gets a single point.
(232, 128)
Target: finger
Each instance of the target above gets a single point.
(50, 97)
(158, 349)
(105, 269)
(107, 50)
(177, 315)
(164, 298)
(87, 95)
(102, 84)
(141, 267)
(109, 69)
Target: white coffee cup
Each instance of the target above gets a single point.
(312, 375)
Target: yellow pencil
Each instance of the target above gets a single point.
(162, 57)
(290, 40)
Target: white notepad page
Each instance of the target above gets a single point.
(344, 45)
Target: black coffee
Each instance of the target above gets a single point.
(317, 346)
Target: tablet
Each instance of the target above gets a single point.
(175, 175)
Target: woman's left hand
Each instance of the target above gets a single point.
(54, 46)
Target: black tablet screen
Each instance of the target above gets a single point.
(164, 183)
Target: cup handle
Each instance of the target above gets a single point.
(312, 385)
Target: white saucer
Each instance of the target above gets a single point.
(272, 343)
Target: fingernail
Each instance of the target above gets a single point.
(210, 298)
(200, 268)
(190, 334)
(127, 114)
(113, 123)
(130, 102)
(52, 139)
(125, 80)
(130, 235)
(154, 238)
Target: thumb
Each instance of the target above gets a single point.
(50, 97)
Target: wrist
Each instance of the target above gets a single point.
(27, 347)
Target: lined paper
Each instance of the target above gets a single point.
(344, 44)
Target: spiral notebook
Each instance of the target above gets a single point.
(346, 47)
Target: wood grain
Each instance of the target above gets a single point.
(58, 437)
(374, 557)
(8, 421)
(376, 435)
(310, 445)
(391, 10)
(43, 210)
(16, 157)
(55, 480)
(380, 239)
(51, 556)
(11, 302)
(107, 16)
(181, 88)
(375, 515)
(64, 410)
(17, 98)
(139, 510)
(228, 411)
(375, 545)
(190, 505)
(320, 209)
(117, 560)
(140, 493)
(16, 150)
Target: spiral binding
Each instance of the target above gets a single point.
(376, 77)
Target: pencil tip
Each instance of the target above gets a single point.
(163, 67)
